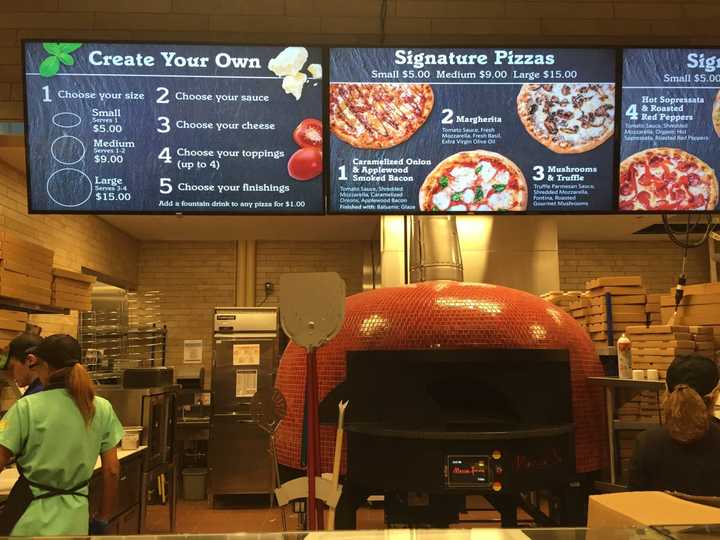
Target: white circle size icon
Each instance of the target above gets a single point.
(67, 150)
(69, 187)
(66, 120)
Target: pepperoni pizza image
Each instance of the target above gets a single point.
(568, 118)
(667, 179)
(376, 116)
(474, 181)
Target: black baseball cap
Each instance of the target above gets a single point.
(58, 350)
(699, 373)
(21, 345)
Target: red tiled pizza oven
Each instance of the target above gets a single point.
(450, 315)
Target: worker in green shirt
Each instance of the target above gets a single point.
(56, 437)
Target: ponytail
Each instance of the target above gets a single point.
(82, 390)
(686, 414)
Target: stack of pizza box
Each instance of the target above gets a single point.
(580, 310)
(12, 323)
(626, 447)
(562, 299)
(656, 346)
(25, 270)
(72, 290)
(652, 309)
(704, 338)
(700, 306)
(627, 297)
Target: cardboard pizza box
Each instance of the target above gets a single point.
(668, 351)
(27, 268)
(673, 344)
(80, 286)
(646, 508)
(658, 329)
(618, 291)
(632, 318)
(691, 315)
(10, 315)
(700, 288)
(15, 326)
(75, 276)
(614, 281)
(618, 309)
(619, 300)
(691, 300)
(20, 242)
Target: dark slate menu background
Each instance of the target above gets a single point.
(653, 75)
(491, 94)
(76, 183)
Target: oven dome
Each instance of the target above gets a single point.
(449, 315)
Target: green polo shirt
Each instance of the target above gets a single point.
(48, 435)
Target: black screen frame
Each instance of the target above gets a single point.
(324, 108)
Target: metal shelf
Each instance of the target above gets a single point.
(629, 425)
(28, 307)
(616, 382)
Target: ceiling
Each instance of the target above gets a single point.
(316, 228)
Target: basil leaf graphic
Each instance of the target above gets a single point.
(456, 197)
(49, 66)
(444, 181)
(52, 48)
(69, 47)
(479, 194)
(66, 59)
(499, 188)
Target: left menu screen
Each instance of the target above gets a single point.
(161, 128)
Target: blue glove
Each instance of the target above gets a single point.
(98, 527)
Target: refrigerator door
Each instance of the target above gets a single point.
(240, 367)
(239, 457)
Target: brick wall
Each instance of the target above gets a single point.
(76, 240)
(658, 263)
(276, 258)
(193, 278)
(481, 22)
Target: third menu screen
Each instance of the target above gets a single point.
(471, 130)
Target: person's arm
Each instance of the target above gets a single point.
(6, 457)
(111, 477)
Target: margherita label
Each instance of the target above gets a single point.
(667, 179)
(474, 181)
(378, 115)
(568, 118)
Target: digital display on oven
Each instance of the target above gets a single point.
(468, 470)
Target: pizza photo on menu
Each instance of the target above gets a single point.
(474, 181)
(376, 116)
(667, 179)
(716, 113)
(568, 118)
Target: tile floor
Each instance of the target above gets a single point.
(195, 517)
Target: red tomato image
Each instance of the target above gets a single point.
(308, 133)
(306, 163)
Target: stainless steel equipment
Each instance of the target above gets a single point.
(245, 358)
(155, 410)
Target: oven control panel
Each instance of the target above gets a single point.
(468, 471)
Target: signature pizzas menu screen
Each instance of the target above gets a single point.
(173, 128)
(670, 144)
(471, 130)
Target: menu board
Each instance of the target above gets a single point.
(132, 127)
(471, 130)
(670, 144)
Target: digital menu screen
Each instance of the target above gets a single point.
(135, 128)
(471, 130)
(468, 470)
(670, 143)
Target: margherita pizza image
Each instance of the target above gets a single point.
(474, 181)
(716, 114)
(378, 115)
(667, 179)
(568, 118)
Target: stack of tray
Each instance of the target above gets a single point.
(72, 290)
